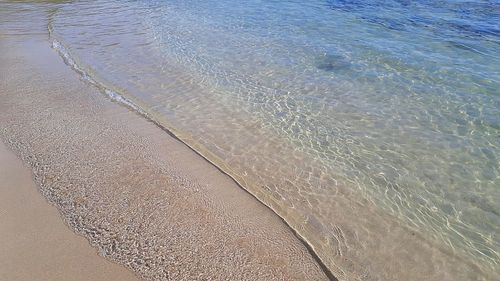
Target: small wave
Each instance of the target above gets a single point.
(56, 45)
(113, 95)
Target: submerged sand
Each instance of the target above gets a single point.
(35, 243)
(142, 198)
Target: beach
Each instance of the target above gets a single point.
(261, 140)
(36, 244)
(140, 197)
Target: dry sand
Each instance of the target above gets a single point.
(35, 244)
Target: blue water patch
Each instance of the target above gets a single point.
(466, 18)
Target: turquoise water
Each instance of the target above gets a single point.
(371, 127)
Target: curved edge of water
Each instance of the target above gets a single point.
(120, 97)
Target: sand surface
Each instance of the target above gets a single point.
(142, 198)
(35, 243)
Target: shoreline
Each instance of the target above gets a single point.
(107, 169)
(332, 272)
(35, 244)
(157, 204)
(351, 254)
(202, 153)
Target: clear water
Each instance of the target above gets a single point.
(371, 127)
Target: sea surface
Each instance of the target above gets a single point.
(371, 127)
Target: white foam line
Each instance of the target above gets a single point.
(56, 45)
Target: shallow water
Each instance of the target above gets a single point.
(371, 127)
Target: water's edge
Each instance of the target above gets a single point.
(119, 96)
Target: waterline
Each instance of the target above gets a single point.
(307, 135)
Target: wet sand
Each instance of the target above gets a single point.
(140, 197)
(35, 244)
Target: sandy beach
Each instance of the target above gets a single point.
(139, 196)
(257, 140)
(36, 244)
